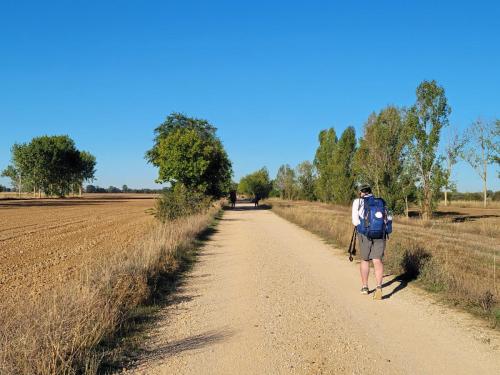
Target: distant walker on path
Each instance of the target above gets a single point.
(256, 200)
(232, 198)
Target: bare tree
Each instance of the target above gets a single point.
(453, 149)
(481, 148)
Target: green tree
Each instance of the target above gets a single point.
(256, 183)
(481, 149)
(186, 150)
(49, 164)
(380, 157)
(426, 119)
(407, 184)
(323, 163)
(285, 182)
(15, 177)
(85, 171)
(306, 180)
(453, 150)
(342, 167)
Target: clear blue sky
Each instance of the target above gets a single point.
(268, 75)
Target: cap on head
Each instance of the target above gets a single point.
(365, 188)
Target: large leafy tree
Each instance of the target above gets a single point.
(187, 151)
(342, 167)
(426, 119)
(49, 164)
(256, 183)
(323, 163)
(380, 157)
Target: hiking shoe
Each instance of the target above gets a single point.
(378, 293)
(365, 290)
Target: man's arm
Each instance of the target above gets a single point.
(355, 212)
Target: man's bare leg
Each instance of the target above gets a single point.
(364, 269)
(379, 270)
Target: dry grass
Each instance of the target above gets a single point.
(456, 255)
(471, 204)
(14, 195)
(59, 332)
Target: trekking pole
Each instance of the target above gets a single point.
(352, 245)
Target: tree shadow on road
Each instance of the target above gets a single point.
(188, 343)
(248, 208)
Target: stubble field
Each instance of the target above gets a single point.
(45, 242)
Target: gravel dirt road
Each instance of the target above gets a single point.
(267, 297)
(44, 242)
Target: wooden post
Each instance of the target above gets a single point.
(495, 273)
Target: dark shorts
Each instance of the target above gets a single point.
(371, 249)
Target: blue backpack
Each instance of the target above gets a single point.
(375, 223)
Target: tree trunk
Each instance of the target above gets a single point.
(485, 166)
(485, 191)
(427, 201)
(406, 206)
(34, 192)
(39, 193)
(80, 191)
(447, 183)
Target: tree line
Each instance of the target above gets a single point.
(123, 189)
(189, 156)
(397, 155)
(51, 165)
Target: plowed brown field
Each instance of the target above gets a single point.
(45, 242)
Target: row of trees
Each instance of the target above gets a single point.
(397, 155)
(123, 189)
(51, 165)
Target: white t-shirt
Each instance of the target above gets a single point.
(358, 210)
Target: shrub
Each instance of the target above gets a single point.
(179, 201)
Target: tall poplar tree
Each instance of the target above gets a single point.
(426, 118)
(323, 163)
(342, 167)
(379, 160)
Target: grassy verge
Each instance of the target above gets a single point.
(66, 331)
(461, 266)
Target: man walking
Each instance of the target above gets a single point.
(369, 216)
